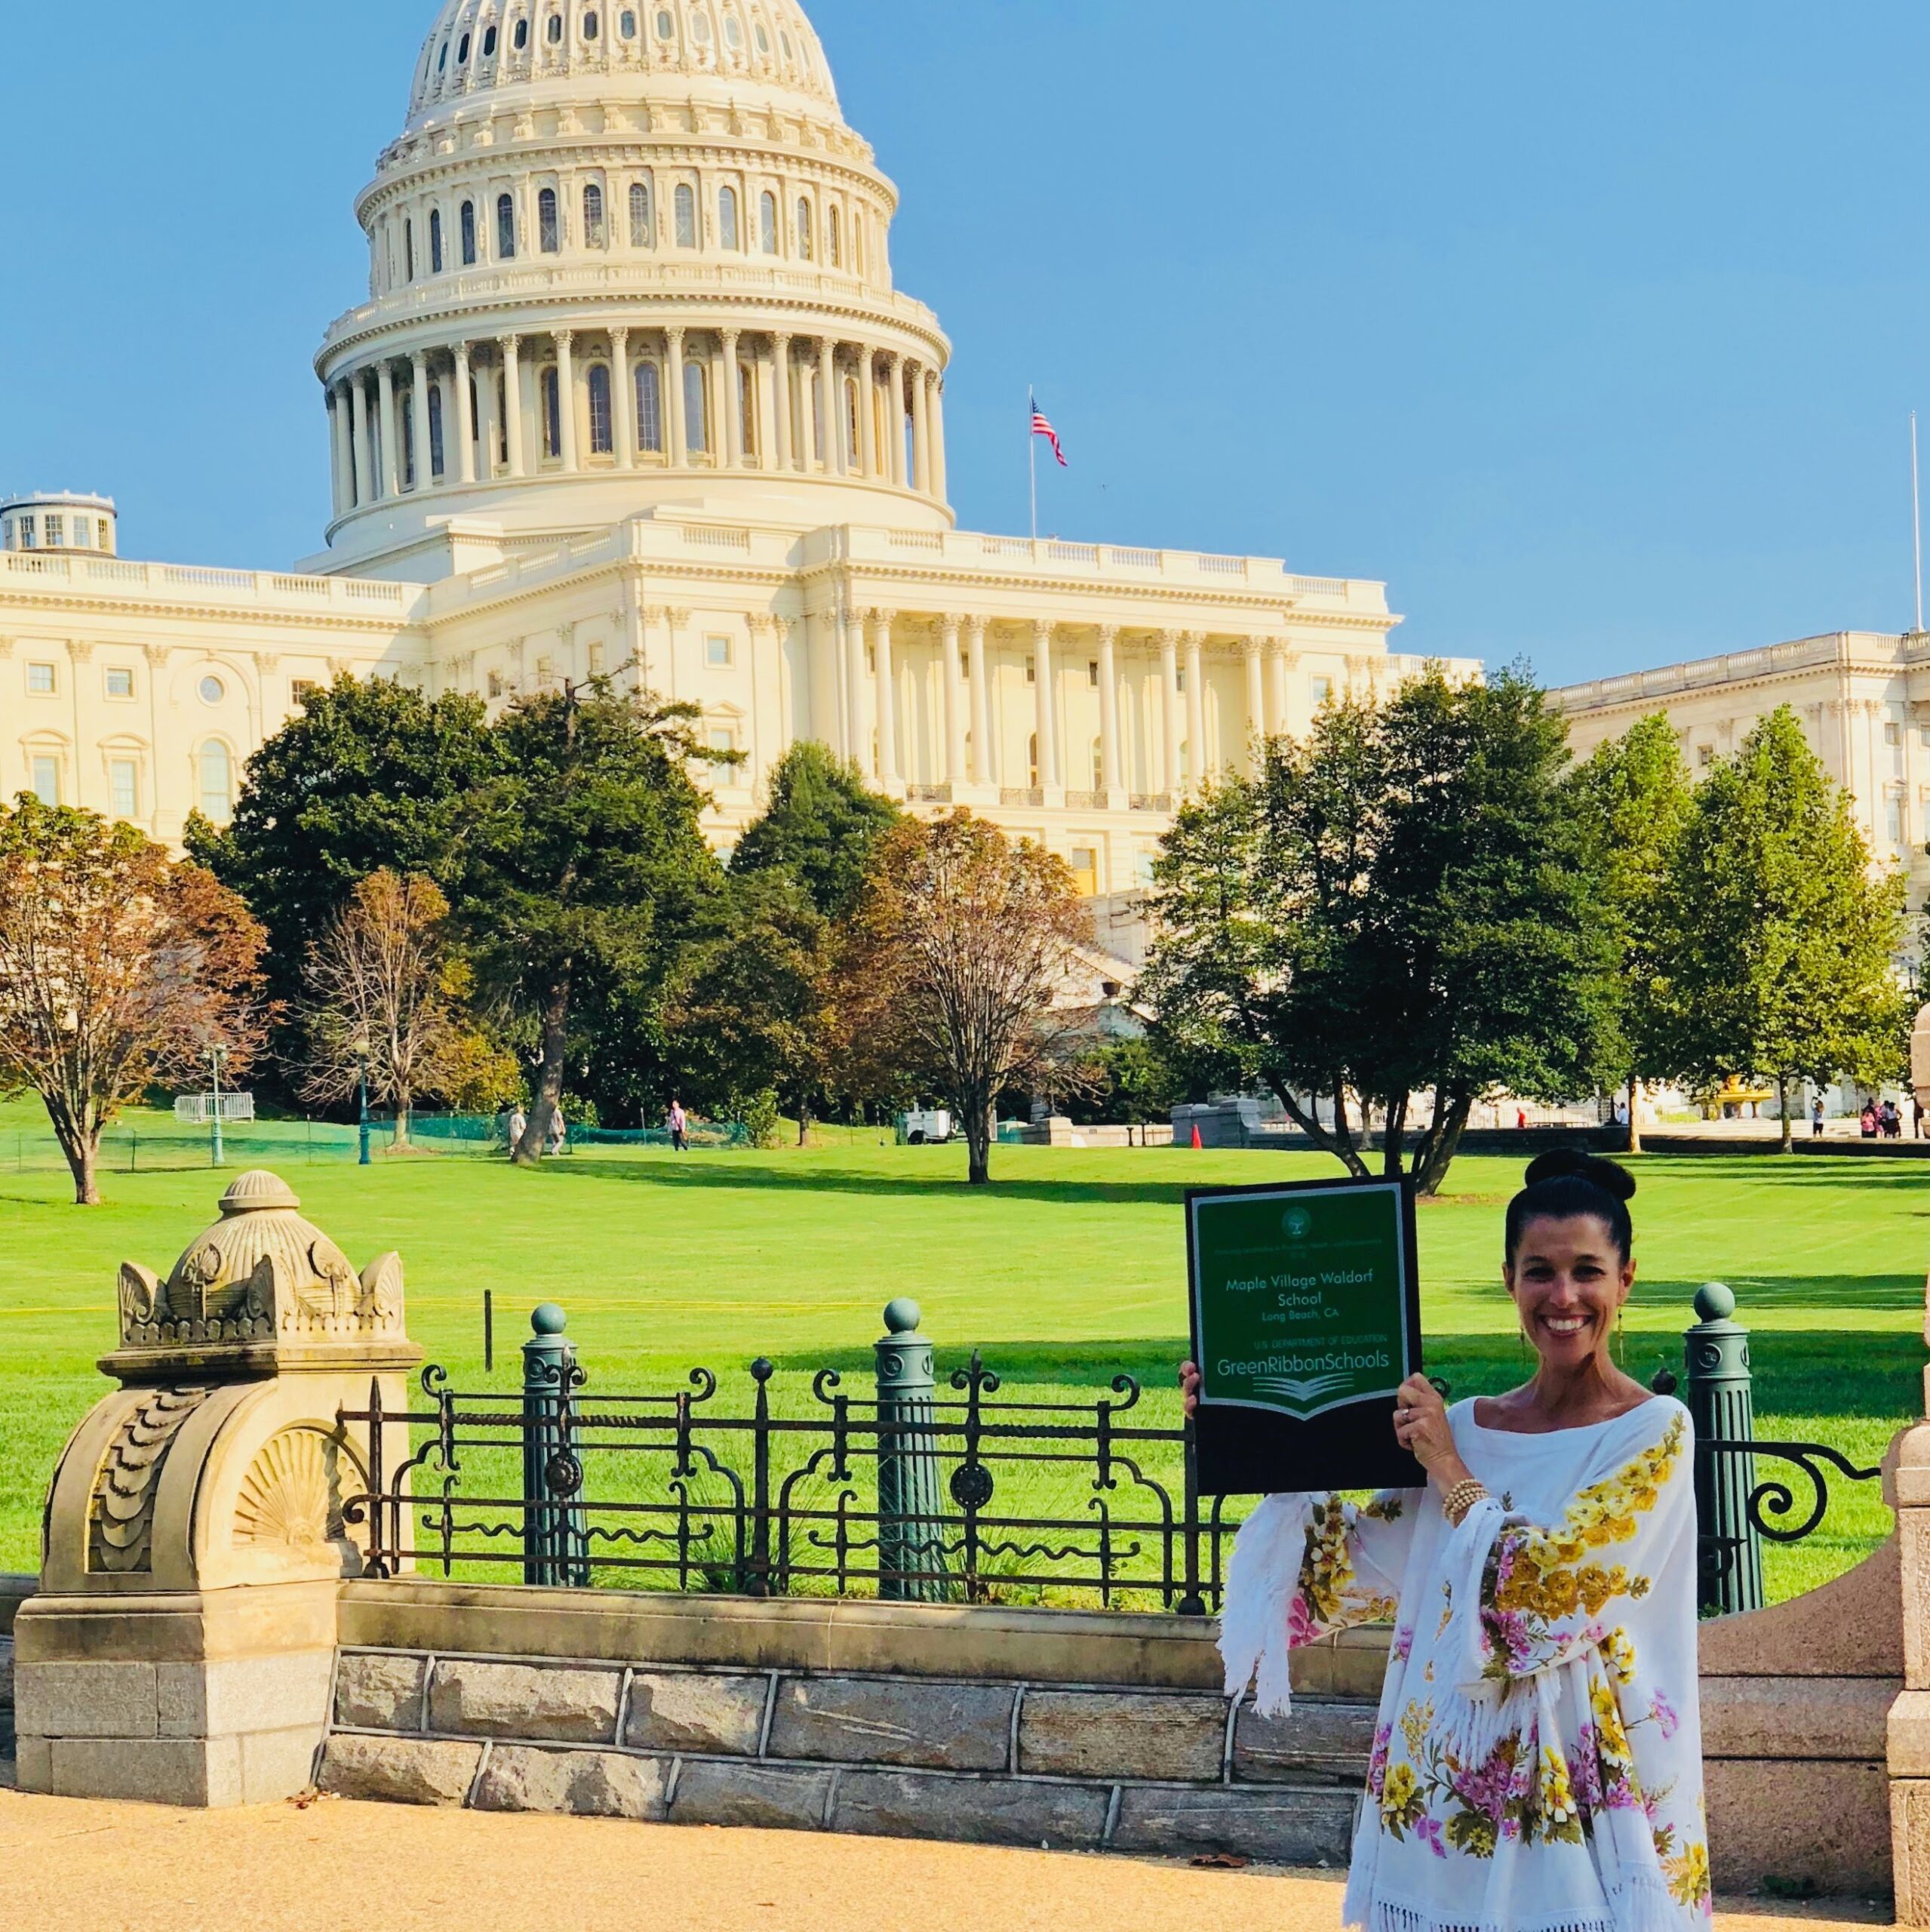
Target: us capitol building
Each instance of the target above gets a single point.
(634, 393)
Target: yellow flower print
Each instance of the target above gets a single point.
(1687, 1874)
(1416, 1721)
(1557, 1816)
(1402, 1801)
(1618, 1648)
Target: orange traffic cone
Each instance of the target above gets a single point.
(1197, 1141)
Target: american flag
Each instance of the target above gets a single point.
(1041, 427)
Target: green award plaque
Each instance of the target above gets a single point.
(1306, 1320)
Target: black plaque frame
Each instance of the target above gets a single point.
(1245, 1451)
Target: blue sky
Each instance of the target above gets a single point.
(1594, 329)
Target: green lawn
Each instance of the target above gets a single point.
(1070, 1269)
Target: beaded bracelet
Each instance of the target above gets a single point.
(1460, 1499)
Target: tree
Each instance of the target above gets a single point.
(1634, 797)
(1396, 905)
(1782, 940)
(369, 774)
(821, 826)
(585, 869)
(960, 944)
(118, 968)
(385, 992)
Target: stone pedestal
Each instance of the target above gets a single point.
(181, 1646)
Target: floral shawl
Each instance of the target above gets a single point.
(1538, 1763)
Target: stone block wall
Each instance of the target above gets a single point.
(1086, 1767)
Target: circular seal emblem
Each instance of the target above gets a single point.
(1297, 1223)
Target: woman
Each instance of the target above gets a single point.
(1538, 1763)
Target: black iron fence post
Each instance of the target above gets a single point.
(758, 1581)
(911, 1519)
(1722, 1407)
(555, 1531)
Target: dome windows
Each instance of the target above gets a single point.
(435, 241)
(505, 228)
(489, 43)
(552, 412)
(784, 40)
(592, 26)
(549, 236)
(696, 409)
(554, 30)
(468, 234)
(763, 41)
(835, 236)
(805, 250)
(767, 222)
(603, 441)
(666, 25)
(687, 216)
(522, 35)
(700, 27)
(442, 59)
(727, 220)
(640, 236)
(462, 52)
(650, 409)
(733, 33)
(594, 236)
(626, 23)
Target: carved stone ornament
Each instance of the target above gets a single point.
(121, 1521)
(292, 1494)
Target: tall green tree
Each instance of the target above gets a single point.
(822, 826)
(1782, 939)
(1633, 799)
(1397, 905)
(585, 870)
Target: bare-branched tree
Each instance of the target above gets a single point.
(119, 970)
(381, 986)
(961, 952)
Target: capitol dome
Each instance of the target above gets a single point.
(625, 258)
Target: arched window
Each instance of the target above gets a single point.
(836, 239)
(687, 215)
(552, 413)
(556, 29)
(435, 241)
(216, 772)
(697, 412)
(851, 421)
(489, 43)
(593, 234)
(803, 229)
(640, 217)
(602, 430)
(727, 220)
(591, 25)
(649, 409)
(522, 35)
(437, 464)
(747, 408)
(505, 228)
(666, 27)
(549, 236)
(408, 251)
(818, 438)
(700, 26)
(463, 53)
(733, 33)
(767, 219)
(626, 24)
(408, 413)
(468, 234)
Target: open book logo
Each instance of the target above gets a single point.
(1300, 1391)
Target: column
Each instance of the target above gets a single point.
(1256, 706)
(982, 768)
(464, 418)
(673, 400)
(955, 726)
(780, 387)
(1046, 712)
(733, 401)
(868, 416)
(358, 397)
(342, 448)
(391, 442)
(830, 430)
(894, 418)
(935, 428)
(1109, 780)
(425, 451)
(566, 398)
(622, 396)
(921, 445)
(1169, 694)
(1280, 663)
(1196, 707)
(512, 405)
(857, 738)
(887, 696)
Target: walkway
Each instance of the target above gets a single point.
(120, 1868)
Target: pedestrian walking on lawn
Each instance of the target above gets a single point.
(680, 1127)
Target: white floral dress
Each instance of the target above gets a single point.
(1538, 1763)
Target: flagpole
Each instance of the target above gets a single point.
(1032, 451)
(1916, 520)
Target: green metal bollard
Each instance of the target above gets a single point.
(910, 1517)
(555, 1531)
(1723, 1408)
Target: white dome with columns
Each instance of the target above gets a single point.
(624, 258)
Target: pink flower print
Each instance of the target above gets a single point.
(1429, 1829)
(1377, 1765)
(1402, 1647)
(1301, 1628)
(1664, 1715)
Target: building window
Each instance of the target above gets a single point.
(462, 52)
(717, 651)
(602, 430)
(119, 682)
(697, 412)
(1032, 760)
(747, 408)
(549, 238)
(727, 220)
(408, 251)
(1084, 860)
(435, 241)
(216, 782)
(408, 414)
(468, 234)
(123, 782)
(57, 533)
(489, 43)
(733, 33)
(47, 781)
(666, 27)
(496, 684)
(26, 533)
(522, 35)
(1705, 756)
(505, 228)
(767, 221)
(437, 462)
(591, 26)
(687, 215)
(1093, 673)
(640, 217)
(1099, 766)
(834, 239)
(40, 680)
(626, 23)
(851, 421)
(552, 413)
(1320, 689)
(212, 691)
(803, 229)
(556, 29)
(593, 236)
(649, 409)
(302, 689)
(1894, 821)
(724, 740)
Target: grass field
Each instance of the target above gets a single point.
(1068, 1269)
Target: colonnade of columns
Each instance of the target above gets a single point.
(813, 405)
(965, 741)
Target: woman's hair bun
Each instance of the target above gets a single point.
(1576, 1163)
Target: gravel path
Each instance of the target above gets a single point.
(65, 1865)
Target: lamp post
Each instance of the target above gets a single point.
(216, 1054)
(361, 1044)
